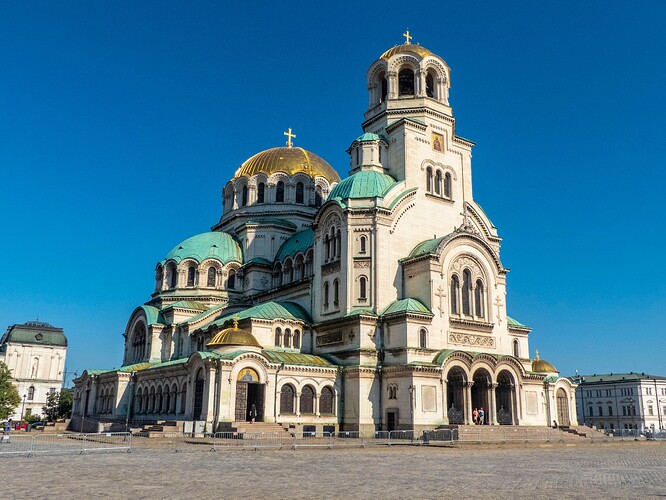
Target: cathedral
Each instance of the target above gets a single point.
(374, 302)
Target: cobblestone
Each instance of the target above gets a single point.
(591, 471)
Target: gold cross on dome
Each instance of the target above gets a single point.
(407, 37)
(289, 137)
(235, 321)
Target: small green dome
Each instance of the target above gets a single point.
(363, 184)
(368, 136)
(213, 245)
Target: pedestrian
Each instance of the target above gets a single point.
(7, 429)
(482, 416)
(475, 416)
(253, 413)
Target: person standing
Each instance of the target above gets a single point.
(475, 416)
(7, 429)
(253, 413)
(482, 416)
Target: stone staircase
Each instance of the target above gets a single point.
(161, 428)
(519, 434)
(267, 427)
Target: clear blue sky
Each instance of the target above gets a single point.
(121, 121)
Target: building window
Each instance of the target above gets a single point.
(261, 188)
(429, 180)
(287, 338)
(478, 299)
(423, 338)
(307, 400)
(447, 185)
(438, 182)
(326, 294)
(455, 287)
(279, 192)
(287, 399)
(363, 288)
(650, 410)
(336, 292)
(31, 393)
(278, 337)
(393, 391)
(467, 292)
(363, 241)
(173, 277)
(231, 280)
(299, 192)
(191, 273)
(601, 411)
(516, 349)
(610, 411)
(591, 412)
(318, 197)
(212, 273)
(244, 196)
(297, 339)
(430, 85)
(406, 82)
(326, 401)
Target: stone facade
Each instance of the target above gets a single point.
(374, 302)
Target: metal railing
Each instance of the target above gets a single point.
(65, 443)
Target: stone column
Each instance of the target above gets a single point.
(297, 405)
(468, 402)
(492, 413)
(392, 79)
(316, 404)
(445, 403)
(420, 82)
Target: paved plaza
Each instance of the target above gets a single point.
(619, 470)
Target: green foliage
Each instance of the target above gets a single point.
(58, 405)
(9, 396)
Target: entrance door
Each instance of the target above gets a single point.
(562, 408)
(255, 397)
(198, 395)
(249, 392)
(241, 401)
(391, 420)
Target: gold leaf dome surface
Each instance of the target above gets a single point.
(233, 336)
(406, 47)
(290, 160)
(542, 366)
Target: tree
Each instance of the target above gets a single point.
(58, 405)
(9, 396)
(65, 404)
(51, 408)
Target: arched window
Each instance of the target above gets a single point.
(479, 298)
(173, 277)
(31, 393)
(383, 87)
(318, 197)
(244, 196)
(336, 292)
(191, 273)
(279, 192)
(332, 242)
(447, 185)
(467, 292)
(307, 400)
(406, 82)
(438, 182)
(260, 192)
(138, 342)
(393, 391)
(363, 240)
(338, 244)
(299, 192)
(287, 399)
(429, 180)
(455, 288)
(327, 247)
(516, 349)
(430, 85)
(297, 339)
(363, 288)
(423, 338)
(231, 281)
(287, 338)
(326, 294)
(212, 272)
(278, 337)
(326, 401)
(358, 155)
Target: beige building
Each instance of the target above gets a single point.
(35, 353)
(374, 302)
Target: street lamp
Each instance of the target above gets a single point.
(23, 407)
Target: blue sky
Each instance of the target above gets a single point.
(121, 121)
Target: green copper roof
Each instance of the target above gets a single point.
(359, 312)
(153, 315)
(271, 221)
(268, 310)
(35, 332)
(405, 306)
(512, 322)
(295, 358)
(368, 136)
(299, 242)
(426, 247)
(213, 245)
(259, 260)
(187, 304)
(363, 184)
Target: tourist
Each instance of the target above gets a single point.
(7, 429)
(481, 415)
(253, 413)
(475, 416)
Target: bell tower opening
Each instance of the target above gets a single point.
(406, 82)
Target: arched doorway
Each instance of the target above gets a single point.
(481, 393)
(198, 395)
(455, 395)
(505, 395)
(250, 394)
(562, 408)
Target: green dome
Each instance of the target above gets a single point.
(213, 245)
(363, 184)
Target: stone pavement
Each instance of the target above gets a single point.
(618, 470)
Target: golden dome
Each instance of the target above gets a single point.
(289, 160)
(542, 366)
(233, 337)
(406, 47)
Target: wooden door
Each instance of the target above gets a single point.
(241, 401)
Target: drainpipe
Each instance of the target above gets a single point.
(216, 396)
(342, 397)
(380, 369)
(275, 393)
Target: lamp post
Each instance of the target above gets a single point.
(411, 407)
(23, 407)
(632, 411)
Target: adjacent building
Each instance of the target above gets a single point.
(35, 353)
(374, 302)
(622, 401)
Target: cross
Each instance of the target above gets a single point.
(407, 37)
(289, 137)
(440, 293)
(235, 321)
(498, 303)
